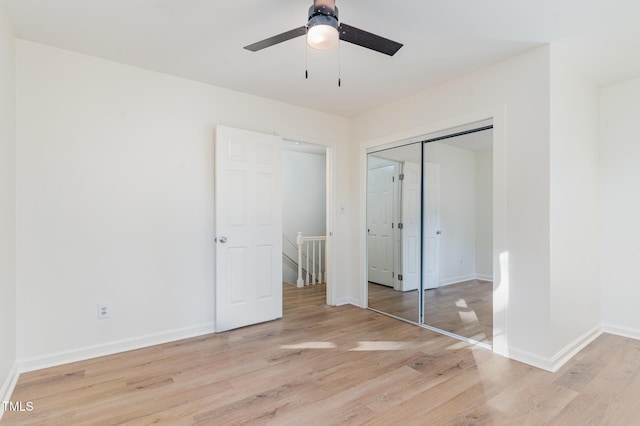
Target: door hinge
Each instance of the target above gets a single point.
(400, 226)
(391, 225)
(399, 277)
(401, 176)
(393, 178)
(393, 274)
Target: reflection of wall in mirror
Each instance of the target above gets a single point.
(466, 248)
(484, 215)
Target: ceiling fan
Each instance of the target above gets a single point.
(324, 30)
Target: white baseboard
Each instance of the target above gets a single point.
(348, 301)
(631, 333)
(455, 280)
(554, 363)
(81, 354)
(463, 278)
(529, 359)
(569, 351)
(483, 277)
(8, 386)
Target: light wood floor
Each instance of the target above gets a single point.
(322, 365)
(465, 308)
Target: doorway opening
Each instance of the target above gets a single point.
(439, 239)
(306, 215)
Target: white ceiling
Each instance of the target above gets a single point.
(443, 39)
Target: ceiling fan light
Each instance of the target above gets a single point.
(323, 32)
(322, 37)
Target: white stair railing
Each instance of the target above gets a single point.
(315, 249)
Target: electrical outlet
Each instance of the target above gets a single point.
(104, 311)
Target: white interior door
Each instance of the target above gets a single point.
(431, 225)
(248, 202)
(380, 203)
(410, 214)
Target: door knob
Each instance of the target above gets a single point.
(222, 239)
(439, 232)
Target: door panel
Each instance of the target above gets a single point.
(237, 260)
(410, 214)
(380, 230)
(265, 265)
(431, 225)
(248, 194)
(237, 204)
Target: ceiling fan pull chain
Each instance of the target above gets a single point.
(339, 64)
(306, 57)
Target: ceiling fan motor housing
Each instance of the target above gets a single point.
(321, 14)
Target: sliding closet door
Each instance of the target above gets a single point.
(394, 231)
(457, 238)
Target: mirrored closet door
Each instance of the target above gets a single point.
(394, 231)
(429, 233)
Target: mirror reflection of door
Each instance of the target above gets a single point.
(430, 226)
(411, 226)
(394, 231)
(381, 205)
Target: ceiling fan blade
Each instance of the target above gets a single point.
(268, 42)
(370, 41)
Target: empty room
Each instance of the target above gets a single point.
(319, 211)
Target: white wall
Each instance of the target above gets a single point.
(575, 308)
(7, 205)
(457, 210)
(620, 207)
(484, 215)
(303, 200)
(516, 93)
(115, 200)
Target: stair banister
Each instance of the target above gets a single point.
(313, 270)
(300, 240)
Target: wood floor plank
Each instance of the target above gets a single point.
(417, 410)
(324, 365)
